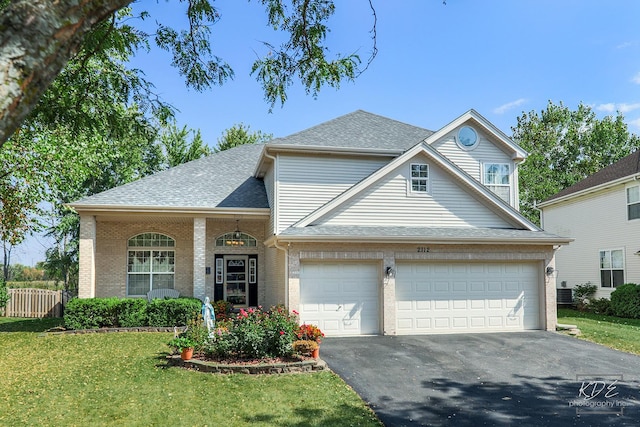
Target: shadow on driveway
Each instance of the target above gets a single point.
(532, 378)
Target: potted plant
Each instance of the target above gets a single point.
(307, 347)
(184, 345)
(311, 333)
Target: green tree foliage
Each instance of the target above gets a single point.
(565, 147)
(240, 134)
(177, 148)
(55, 30)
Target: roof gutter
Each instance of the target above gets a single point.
(422, 240)
(589, 190)
(182, 210)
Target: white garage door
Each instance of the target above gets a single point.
(466, 297)
(341, 298)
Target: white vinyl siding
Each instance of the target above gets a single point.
(471, 160)
(386, 203)
(633, 202)
(269, 185)
(305, 183)
(597, 221)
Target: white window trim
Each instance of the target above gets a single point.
(626, 197)
(624, 265)
(410, 190)
(509, 185)
(151, 272)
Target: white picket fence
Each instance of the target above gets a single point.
(36, 303)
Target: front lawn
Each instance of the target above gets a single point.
(123, 379)
(615, 332)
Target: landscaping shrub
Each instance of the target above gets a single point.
(173, 311)
(255, 334)
(625, 301)
(600, 306)
(222, 309)
(582, 294)
(4, 295)
(91, 313)
(132, 312)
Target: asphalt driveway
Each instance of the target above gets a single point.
(532, 378)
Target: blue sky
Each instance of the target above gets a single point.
(435, 61)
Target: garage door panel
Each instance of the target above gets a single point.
(467, 297)
(341, 298)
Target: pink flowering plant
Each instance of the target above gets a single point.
(254, 334)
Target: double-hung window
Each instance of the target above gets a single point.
(611, 268)
(150, 263)
(419, 183)
(633, 202)
(497, 178)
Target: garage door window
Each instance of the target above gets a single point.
(611, 268)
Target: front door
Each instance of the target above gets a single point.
(236, 279)
(235, 286)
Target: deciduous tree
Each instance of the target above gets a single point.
(565, 147)
(240, 134)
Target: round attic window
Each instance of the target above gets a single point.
(467, 137)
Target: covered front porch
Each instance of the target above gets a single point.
(219, 256)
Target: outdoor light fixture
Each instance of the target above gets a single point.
(389, 272)
(237, 233)
(550, 271)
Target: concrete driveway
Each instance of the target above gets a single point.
(507, 379)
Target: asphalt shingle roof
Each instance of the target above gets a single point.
(425, 233)
(627, 166)
(359, 129)
(223, 179)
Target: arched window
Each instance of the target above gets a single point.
(150, 263)
(236, 239)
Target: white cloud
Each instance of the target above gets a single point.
(635, 122)
(612, 107)
(607, 108)
(509, 105)
(636, 79)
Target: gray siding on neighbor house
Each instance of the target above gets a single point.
(307, 182)
(389, 202)
(597, 221)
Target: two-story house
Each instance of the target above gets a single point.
(362, 224)
(602, 213)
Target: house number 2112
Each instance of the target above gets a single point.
(423, 249)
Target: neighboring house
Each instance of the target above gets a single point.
(602, 213)
(363, 224)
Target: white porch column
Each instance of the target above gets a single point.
(87, 262)
(199, 256)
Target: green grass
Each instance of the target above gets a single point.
(615, 332)
(123, 379)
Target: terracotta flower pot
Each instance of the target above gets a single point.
(187, 353)
(316, 353)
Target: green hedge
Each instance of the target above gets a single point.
(94, 313)
(625, 301)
